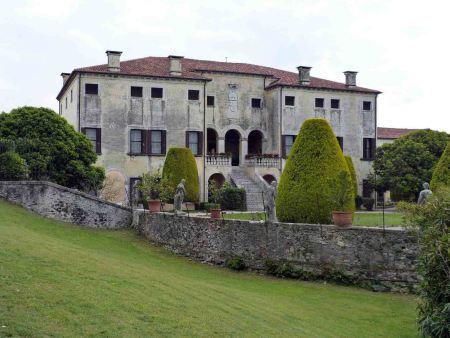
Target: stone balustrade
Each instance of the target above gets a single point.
(218, 160)
(263, 161)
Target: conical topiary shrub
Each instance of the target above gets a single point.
(180, 163)
(309, 182)
(441, 173)
(351, 170)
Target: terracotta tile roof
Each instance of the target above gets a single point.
(392, 133)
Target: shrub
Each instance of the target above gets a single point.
(432, 219)
(351, 169)
(231, 198)
(180, 164)
(441, 173)
(154, 187)
(368, 203)
(236, 263)
(308, 184)
(12, 167)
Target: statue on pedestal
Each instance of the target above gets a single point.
(424, 194)
(180, 193)
(271, 195)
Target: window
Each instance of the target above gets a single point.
(341, 142)
(157, 93)
(367, 105)
(94, 135)
(319, 102)
(334, 103)
(135, 194)
(71, 96)
(66, 102)
(210, 101)
(193, 95)
(136, 91)
(289, 100)
(256, 103)
(366, 189)
(288, 142)
(368, 148)
(157, 142)
(91, 88)
(137, 141)
(194, 141)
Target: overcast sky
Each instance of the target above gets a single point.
(399, 47)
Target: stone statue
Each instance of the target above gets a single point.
(180, 193)
(424, 194)
(271, 195)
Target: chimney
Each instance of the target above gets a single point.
(65, 76)
(350, 78)
(303, 75)
(113, 60)
(175, 65)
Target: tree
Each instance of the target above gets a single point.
(51, 148)
(180, 164)
(310, 180)
(441, 174)
(12, 167)
(351, 169)
(404, 165)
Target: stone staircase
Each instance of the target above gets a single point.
(253, 192)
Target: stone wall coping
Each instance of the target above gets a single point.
(60, 187)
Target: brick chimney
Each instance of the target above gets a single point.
(175, 65)
(350, 78)
(113, 60)
(65, 76)
(303, 75)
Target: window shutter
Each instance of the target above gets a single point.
(163, 142)
(283, 146)
(144, 144)
(187, 139)
(98, 143)
(200, 143)
(372, 148)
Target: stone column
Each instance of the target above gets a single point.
(220, 145)
(244, 150)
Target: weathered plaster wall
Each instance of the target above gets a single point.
(64, 204)
(385, 258)
(70, 113)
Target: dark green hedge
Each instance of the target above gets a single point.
(12, 167)
(441, 173)
(309, 182)
(180, 163)
(351, 169)
(232, 198)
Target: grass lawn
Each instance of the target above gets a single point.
(61, 280)
(368, 219)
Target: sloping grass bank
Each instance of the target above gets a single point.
(62, 280)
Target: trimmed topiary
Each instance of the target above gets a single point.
(351, 170)
(12, 167)
(309, 183)
(441, 174)
(180, 164)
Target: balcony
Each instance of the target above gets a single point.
(264, 160)
(218, 160)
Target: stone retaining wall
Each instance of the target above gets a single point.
(387, 259)
(61, 203)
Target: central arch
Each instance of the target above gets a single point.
(255, 142)
(232, 145)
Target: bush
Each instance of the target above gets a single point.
(12, 167)
(441, 173)
(433, 220)
(180, 164)
(351, 170)
(368, 203)
(155, 187)
(358, 202)
(308, 184)
(231, 198)
(235, 263)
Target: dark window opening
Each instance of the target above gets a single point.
(341, 142)
(71, 95)
(91, 88)
(334, 103)
(289, 100)
(135, 194)
(256, 103)
(367, 189)
(368, 148)
(193, 95)
(66, 102)
(157, 93)
(136, 91)
(319, 102)
(210, 101)
(367, 105)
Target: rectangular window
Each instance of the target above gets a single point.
(66, 102)
(91, 88)
(367, 105)
(368, 148)
(341, 142)
(157, 93)
(210, 101)
(366, 189)
(319, 102)
(289, 100)
(136, 91)
(137, 141)
(95, 136)
(193, 95)
(71, 96)
(157, 142)
(135, 195)
(334, 103)
(256, 103)
(194, 141)
(288, 142)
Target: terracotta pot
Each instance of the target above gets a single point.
(342, 219)
(215, 213)
(154, 205)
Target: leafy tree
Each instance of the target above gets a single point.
(12, 167)
(441, 174)
(405, 164)
(309, 183)
(351, 169)
(51, 148)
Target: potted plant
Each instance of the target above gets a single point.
(154, 190)
(343, 213)
(215, 211)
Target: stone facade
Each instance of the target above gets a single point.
(387, 259)
(64, 204)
